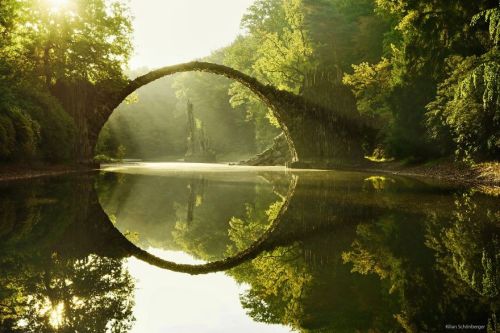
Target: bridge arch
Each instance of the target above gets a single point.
(266, 93)
(317, 136)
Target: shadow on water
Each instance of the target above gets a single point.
(320, 251)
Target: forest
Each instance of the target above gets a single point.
(422, 75)
(308, 211)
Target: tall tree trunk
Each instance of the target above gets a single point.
(191, 135)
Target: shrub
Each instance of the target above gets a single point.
(19, 134)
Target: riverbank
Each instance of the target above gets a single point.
(482, 174)
(16, 172)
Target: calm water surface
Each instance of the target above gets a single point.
(170, 247)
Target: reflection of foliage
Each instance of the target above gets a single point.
(202, 224)
(193, 221)
(277, 280)
(42, 291)
(52, 294)
(244, 232)
(379, 183)
(373, 252)
(13, 223)
(301, 282)
(466, 256)
(467, 251)
(278, 284)
(468, 248)
(36, 213)
(466, 232)
(368, 256)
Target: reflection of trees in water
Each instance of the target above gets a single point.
(348, 255)
(468, 250)
(274, 273)
(303, 284)
(48, 280)
(359, 254)
(195, 198)
(202, 225)
(442, 267)
(435, 265)
(469, 246)
(181, 212)
(197, 229)
(47, 293)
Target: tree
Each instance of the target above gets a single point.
(53, 62)
(225, 123)
(83, 40)
(44, 53)
(55, 294)
(467, 106)
(427, 34)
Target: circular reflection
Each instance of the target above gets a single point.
(196, 209)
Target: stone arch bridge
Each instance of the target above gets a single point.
(317, 137)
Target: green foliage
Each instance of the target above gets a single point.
(18, 133)
(424, 100)
(467, 106)
(107, 145)
(284, 52)
(344, 33)
(225, 124)
(83, 41)
(276, 50)
(304, 47)
(57, 128)
(34, 126)
(120, 152)
(386, 63)
(369, 84)
(241, 55)
(155, 125)
(101, 158)
(492, 17)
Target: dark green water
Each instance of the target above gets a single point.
(336, 252)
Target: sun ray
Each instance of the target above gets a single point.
(57, 315)
(57, 5)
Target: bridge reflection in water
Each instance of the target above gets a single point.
(326, 251)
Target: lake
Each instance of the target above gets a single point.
(174, 247)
